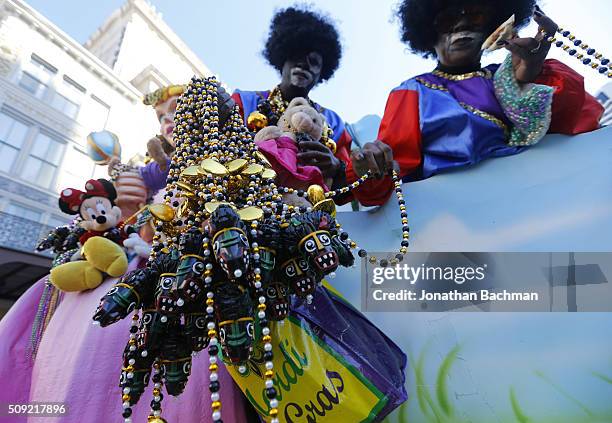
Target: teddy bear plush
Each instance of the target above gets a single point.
(102, 249)
(279, 144)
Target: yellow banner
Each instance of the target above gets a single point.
(314, 383)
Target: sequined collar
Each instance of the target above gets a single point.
(279, 104)
(483, 73)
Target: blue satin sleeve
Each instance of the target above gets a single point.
(455, 136)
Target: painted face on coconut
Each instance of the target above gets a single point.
(190, 278)
(151, 329)
(277, 300)
(231, 249)
(267, 260)
(118, 302)
(190, 273)
(196, 330)
(302, 279)
(236, 338)
(176, 373)
(166, 294)
(165, 115)
(318, 249)
(141, 370)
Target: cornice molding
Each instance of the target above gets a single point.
(71, 47)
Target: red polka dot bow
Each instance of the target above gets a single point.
(74, 197)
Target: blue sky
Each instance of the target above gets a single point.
(228, 37)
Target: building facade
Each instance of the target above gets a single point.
(53, 93)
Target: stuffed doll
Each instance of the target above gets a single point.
(101, 244)
(300, 121)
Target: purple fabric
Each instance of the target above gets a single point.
(348, 332)
(79, 364)
(154, 177)
(477, 92)
(452, 136)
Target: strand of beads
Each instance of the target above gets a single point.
(213, 343)
(155, 415)
(268, 355)
(578, 43)
(602, 67)
(405, 228)
(213, 350)
(347, 189)
(397, 184)
(129, 371)
(39, 321)
(189, 146)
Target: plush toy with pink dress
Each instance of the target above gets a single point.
(299, 122)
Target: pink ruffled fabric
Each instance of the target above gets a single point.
(282, 155)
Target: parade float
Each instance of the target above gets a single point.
(500, 366)
(293, 343)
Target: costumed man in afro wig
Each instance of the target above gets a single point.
(304, 47)
(461, 113)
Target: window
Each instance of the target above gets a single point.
(77, 169)
(68, 98)
(36, 76)
(43, 161)
(64, 105)
(12, 137)
(23, 211)
(32, 85)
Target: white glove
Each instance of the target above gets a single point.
(135, 244)
(77, 255)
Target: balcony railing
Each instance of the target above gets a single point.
(21, 234)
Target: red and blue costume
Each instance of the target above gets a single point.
(435, 122)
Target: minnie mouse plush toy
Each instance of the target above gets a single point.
(102, 249)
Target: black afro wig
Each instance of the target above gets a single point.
(417, 19)
(297, 30)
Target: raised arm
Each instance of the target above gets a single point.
(399, 140)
